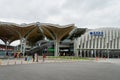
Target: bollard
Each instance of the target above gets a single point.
(15, 62)
(21, 62)
(8, 63)
(27, 62)
(96, 58)
(104, 58)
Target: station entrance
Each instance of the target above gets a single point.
(102, 53)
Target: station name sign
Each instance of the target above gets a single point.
(96, 33)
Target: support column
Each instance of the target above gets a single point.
(107, 54)
(76, 53)
(56, 48)
(98, 53)
(88, 54)
(76, 46)
(91, 53)
(6, 47)
(23, 46)
(21, 50)
(95, 53)
(116, 43)
(119, 43)
(102, 54)
(84, 53)
(81, 54)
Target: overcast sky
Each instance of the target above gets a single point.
(82, 13)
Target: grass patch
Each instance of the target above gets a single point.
(68, 57)
(64, 58)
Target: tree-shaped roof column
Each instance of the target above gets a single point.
(57, 32)
(11, 31)
(7, 32)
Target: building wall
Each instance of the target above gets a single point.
(109, 40)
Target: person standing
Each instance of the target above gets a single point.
(26, 56)
(36, 57)
(33, 57)
(44, 56)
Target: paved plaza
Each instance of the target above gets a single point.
(47, 60)
(110, 60)
(22, 61)
(82, 70)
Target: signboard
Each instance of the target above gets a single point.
(51, 49)
(96, 33)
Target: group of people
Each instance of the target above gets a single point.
(35, 57)
(17, 55)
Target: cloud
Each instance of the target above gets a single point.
(83, 13)
(30, 11)
(79, 12)
(93, 12)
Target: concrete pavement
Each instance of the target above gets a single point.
(109, 60)
(84, 70)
